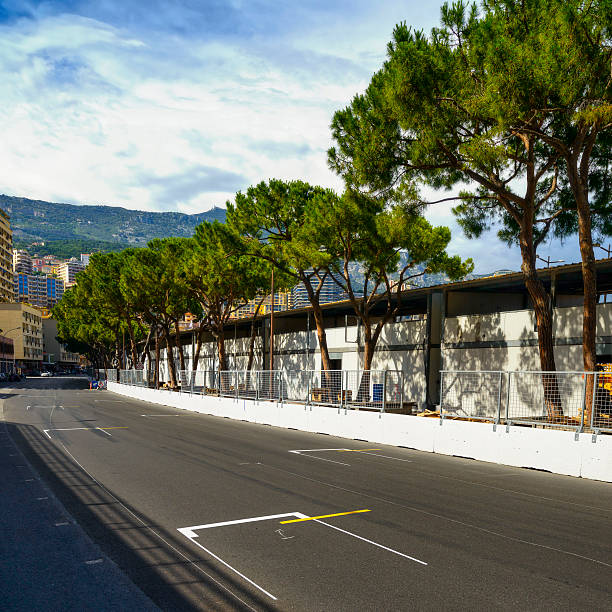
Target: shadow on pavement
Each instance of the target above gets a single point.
(169, 579)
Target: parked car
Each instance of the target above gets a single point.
(46, 374)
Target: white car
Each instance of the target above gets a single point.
(46, 374)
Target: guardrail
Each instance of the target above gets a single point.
(567, 400)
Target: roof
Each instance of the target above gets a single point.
(568, 277)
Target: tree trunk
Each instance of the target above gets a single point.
(133, 349)
(179, 346)
(196, 357)
(221, 350)
(317, 312)
(157, 356)
(252, 345)
(589, 279)
(253, 335)
(170, 356)
(542, 306)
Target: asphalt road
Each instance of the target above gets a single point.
(193, 509)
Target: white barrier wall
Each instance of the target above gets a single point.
(554, 451)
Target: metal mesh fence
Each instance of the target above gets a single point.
(569, 400)
(374, 390)
(574, 400)
(601, 405)
(133, 377)
(550, 399)
(473, 395)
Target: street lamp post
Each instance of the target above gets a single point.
(548, 261)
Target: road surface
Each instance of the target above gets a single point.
(207, 513)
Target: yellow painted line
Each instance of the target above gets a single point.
(314, 518)
(109, 427)
(356, 450)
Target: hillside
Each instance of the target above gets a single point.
(37, 220)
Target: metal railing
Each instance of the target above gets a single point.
(381, 390)
(567, 400)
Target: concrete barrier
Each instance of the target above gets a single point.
(555, 451)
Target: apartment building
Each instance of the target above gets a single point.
(38, 290)
(23, 324)
(330, 292)
(68, 271)
(282, 301)
(7, 291)
(22, 262)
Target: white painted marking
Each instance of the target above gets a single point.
(159, 415)
(93, 561)
(62, 524)
(29, 480)
(234, 570)
(41, 498)
(155, 533)
(189, 532)
(106, 432)
(282, 535)
(315, 450)
(395, 552)
(386, 456)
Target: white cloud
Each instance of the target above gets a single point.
(175, 106)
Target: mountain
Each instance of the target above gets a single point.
(37, 220)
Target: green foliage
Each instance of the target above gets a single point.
(388, 242)
(222, 276)
(65, 249)
(275, 220)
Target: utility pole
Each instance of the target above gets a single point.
(157, 356)
(272, 325)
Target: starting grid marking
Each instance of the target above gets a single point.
(102, 429)
(365, 451)
(190, 534)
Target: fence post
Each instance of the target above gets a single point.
(384, 390)
(401, 397)
(499, 390)
(595, 377)
(236, 383)
(584, 397)
(442, 396)
(193, 375)
(280, 385)
(257, 385)
(308, 387)
(341, 403)
(508, 397)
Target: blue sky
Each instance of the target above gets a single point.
(177, 104)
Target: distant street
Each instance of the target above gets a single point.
(206, 513)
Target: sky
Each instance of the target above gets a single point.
(175, 105)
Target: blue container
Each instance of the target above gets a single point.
(377, 392)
